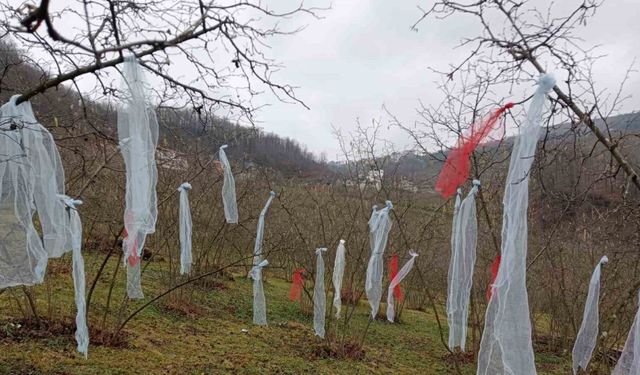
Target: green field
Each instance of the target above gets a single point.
(200, 331)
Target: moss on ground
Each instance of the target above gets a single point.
(201, 332)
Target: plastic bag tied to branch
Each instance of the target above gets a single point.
(457, 166)
(257, 248)
(319, 295)
(506, 346)
(47, 178)
(338, 275)
(23, 258)
(463, 259)
(259, 303)
(629, 361)
(228, 189)
(74, 242)
(379, 227)
(185, 229)
(138, 139)
(588, 332)
(404, 271)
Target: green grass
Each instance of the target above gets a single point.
(201, 333)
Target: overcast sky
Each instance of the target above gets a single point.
(362, 55)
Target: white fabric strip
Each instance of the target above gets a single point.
(185, 230)
(588, 333)
(338, 274)
(319, 295)
(379, 227)
(506, 346)
(463, 259)
(404, 271)
(228, 189)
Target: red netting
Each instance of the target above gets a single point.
(494, 274)
(297, 284)
(456, 169)
(393, 271)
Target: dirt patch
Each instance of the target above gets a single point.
(336, 350)
(182, 308)
(18, 330)
(459, 357)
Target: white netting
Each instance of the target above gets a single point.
(379, 227)
(228, 189)
(404, 271)
(47, 178)
(138, 135)
(257, 248)
(463, 259)
(74, 242)
(185, 229)
(23, 259)
(259, 303)
(629, 361)
(506, 346)
(319, 295)
(588, 333)
(338, 274)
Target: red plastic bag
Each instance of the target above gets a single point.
(295, 293)
(494, 274)
(456, 169)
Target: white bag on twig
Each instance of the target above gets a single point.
(463, 259)
(31, 176)
(228, 189)
(259, 303)
(138, 136)
(338, 274)
(319, 295)
(629, 361)
(185, 229)
(588, 333)
(379, 227)
(404, 271)
(257, 248)
(74, 242)
(506, 346)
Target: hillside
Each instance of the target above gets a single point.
(182, 131)
(209, 331)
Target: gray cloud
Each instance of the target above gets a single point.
(362, 55)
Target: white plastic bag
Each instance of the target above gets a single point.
(138, 135)
(47, 177)
(74, 242)
(257, 248)
(588, 333)
(404, 271)
(23, 258)
(379, 227)
(338, 274)
(463, 259)
(259, 303)
(228, 189)
(185, 229)
(629, 361)
(506, 346)
(319, 295)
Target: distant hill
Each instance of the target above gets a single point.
(181, 130)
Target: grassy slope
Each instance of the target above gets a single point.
(209, 339)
